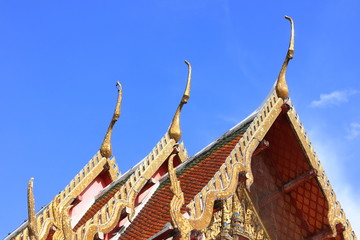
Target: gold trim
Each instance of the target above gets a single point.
(109, 215)
(257, 131)
(62, 221)
(33, 233)
(281, 87)
(105, 149)
(178, 220)
(174, 129)
(336, 214)
(237, 217)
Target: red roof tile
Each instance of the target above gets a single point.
(156, 213)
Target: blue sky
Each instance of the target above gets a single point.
(59, 61)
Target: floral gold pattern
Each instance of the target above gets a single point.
(236, 218)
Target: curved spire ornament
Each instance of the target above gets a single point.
(281, 87)
(105, 149)
(33, 232)
(174, 129)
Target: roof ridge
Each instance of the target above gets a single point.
(75, 187)
(145, 162)
(130, 184)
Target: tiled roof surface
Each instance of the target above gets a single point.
(196, 173)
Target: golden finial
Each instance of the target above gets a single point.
(33, 233)
(281, 87)
(174, 130)
(105, 148)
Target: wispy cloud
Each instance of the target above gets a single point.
(353, 131)
(333, 98)
(228, 119)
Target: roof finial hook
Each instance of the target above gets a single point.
(281, 87)
(105, 148)
(174, 130)
(33, 233)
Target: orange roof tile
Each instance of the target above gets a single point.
(196, 173)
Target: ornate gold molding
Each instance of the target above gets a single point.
(109, 215)
(281, 87)
(105, 149)
(33, 233)
(237, 217)
(179, 221)
(174, 129)
(62, 221)
(336, 214)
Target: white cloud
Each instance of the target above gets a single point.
(353, 131)
(333, 98)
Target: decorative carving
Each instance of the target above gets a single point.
(214, 229)
(33, 233)
(62, 221)
(244, 222)
(226, 219)
(178, 220)
(186, 225)
(238, 216)
(174, 130)
(105, 148)
(281, 87)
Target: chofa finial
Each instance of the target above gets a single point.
(105, 148)
(33, 233)
(281, 87)
(174, 130)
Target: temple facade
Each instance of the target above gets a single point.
(260, 180)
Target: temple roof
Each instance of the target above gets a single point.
(194, 173)
(170, 194)
(291, 156)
